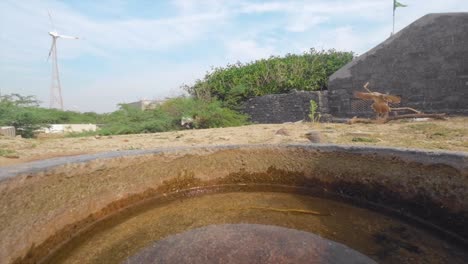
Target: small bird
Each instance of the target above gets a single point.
(381, 101)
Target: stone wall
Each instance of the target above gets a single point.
(426, 64)
(69, 128)
(281, 108)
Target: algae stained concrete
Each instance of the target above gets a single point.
(46, 202)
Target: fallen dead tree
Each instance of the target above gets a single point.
(355, 120)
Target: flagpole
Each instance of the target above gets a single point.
(393, 30)
(395, 5)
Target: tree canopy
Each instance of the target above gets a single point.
(24, 113)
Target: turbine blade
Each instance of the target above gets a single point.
(67, 37)
(51, 21)
(51, 48)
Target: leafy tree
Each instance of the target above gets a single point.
(27, 122)
(15, 111)
(19, 100)
(24, 113)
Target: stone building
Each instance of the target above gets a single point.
(426, 64)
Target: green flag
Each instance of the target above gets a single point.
(397, 4)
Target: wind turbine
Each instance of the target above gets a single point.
(56, 100)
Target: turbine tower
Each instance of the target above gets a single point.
(56, 100)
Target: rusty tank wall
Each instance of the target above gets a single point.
(44, 203)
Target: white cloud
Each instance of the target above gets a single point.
(303, 22)
(101, 37)
(247, 50)
(345, 38)
(247, 7)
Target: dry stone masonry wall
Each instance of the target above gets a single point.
(280, 108)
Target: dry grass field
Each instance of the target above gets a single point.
(451, 134)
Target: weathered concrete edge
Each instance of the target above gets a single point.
(455, 159)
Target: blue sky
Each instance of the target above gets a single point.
(133, 50)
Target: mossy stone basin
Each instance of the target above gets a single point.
(45, 203)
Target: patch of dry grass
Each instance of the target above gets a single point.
(6, 152)
(450, 134)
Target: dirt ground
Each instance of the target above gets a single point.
(451, 134)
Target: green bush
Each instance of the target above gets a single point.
(168, 116)
(17, 111)
(24, 113)
(6, 152)
(26, 122)
(129, 120)
(205, 114)
(313, 114)
(236, 82)
(214, 115)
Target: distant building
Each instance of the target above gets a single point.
(146, 104)
(69, 128)
(8, 131)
